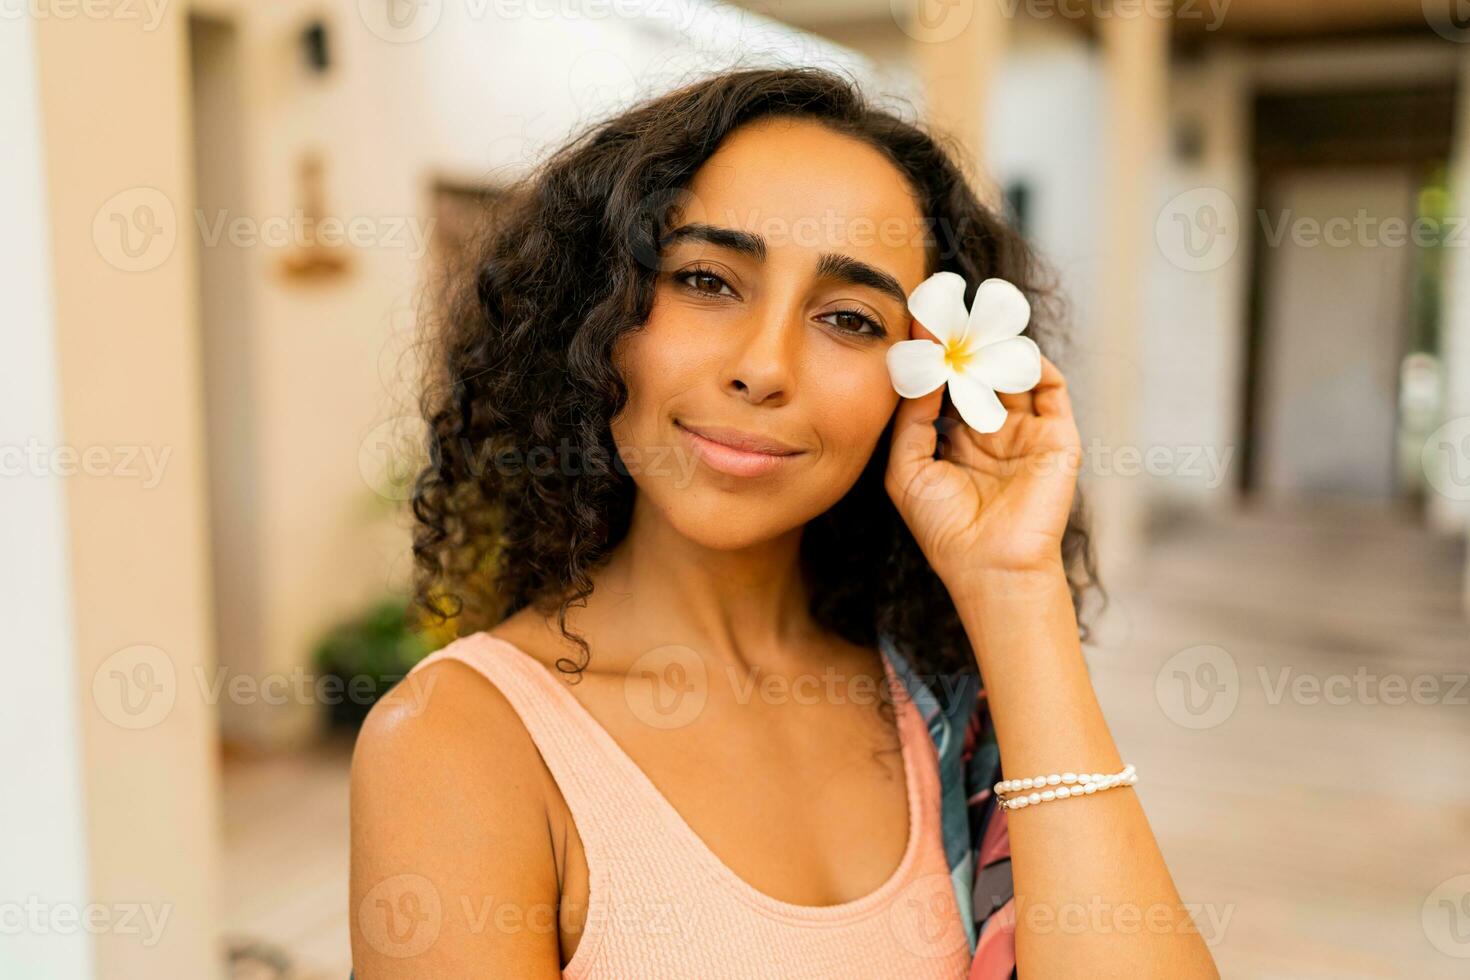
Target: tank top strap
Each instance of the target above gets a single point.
(607, 806)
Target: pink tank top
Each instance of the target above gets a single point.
(662, 904)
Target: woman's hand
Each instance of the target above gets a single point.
(994, 501)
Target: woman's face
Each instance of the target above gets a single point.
(780, 290)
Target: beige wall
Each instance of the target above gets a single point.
(112, 97)
(318, 363)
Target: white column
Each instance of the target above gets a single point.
(1135, 48)
(43, 854)
(956, 49)
(115, 124)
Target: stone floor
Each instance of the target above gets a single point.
(1292, 688)
(1321, 811)
(285, 862)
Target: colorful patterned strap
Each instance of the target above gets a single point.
(976, 842)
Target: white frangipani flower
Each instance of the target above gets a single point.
(978, 352)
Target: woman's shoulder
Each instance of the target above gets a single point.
(449, 798)
(444, 707)
(447, 736)
(450, 712)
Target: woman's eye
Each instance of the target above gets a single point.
(708, 283)
(851, 321)
(699, 280)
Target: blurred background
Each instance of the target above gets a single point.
(222, 218)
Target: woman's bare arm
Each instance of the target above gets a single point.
(453, 873)
(1093, 895)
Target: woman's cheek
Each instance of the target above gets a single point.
(856, 404)
(657, 364)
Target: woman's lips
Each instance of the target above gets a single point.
(735, 462)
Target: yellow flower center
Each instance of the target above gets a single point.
(958, 355)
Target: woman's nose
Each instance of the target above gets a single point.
(763, 366)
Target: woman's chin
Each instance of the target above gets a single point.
(725, 524)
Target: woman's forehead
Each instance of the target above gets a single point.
(797, 183)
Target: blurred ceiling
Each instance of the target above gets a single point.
(1281, 18)
(1264, 19)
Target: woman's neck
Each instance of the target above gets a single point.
(740, 609)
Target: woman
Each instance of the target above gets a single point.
(695, 540)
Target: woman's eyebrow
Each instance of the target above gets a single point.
(845, 268)
(745, 242)
(831, 265)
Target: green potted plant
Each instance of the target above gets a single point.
(371, 652)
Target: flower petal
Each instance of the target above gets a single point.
(916, 367)
(1012, 365)
(1000, 310)
(977, 404)
(939, 304)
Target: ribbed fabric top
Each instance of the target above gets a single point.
(662, 904)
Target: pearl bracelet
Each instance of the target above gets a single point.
(1059, 786)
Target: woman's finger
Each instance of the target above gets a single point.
(914, 438)
(1050, 395)
(1023, 402)
(960, 444)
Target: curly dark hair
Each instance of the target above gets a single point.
(520, 367)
